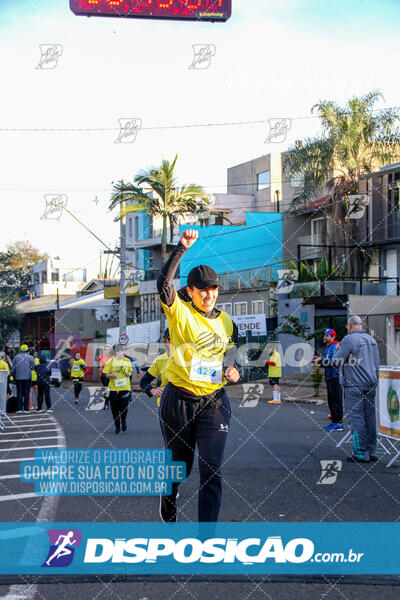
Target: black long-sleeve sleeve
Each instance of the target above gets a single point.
(145, 383)
(165, 288)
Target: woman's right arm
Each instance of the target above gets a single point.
(165, 288)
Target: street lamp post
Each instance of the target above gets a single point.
(122, 285)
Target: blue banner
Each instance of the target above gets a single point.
(201, 548)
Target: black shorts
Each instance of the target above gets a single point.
(274, 380)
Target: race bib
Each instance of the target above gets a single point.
(120, 382)
(209, 371)
(76, 368)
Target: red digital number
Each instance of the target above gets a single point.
(193, 4)
(167, 4)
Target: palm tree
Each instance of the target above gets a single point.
(156, 191)
(356, 140)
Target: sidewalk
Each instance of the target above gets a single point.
(294, 388)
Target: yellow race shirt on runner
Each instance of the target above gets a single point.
(122, 383)
(159, 367)
(76, 368)
(196, 365)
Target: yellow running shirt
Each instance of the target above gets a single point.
(196, 365)
(33, 372)
(159, 367)
(76, 368)
(4, 366)
(275, 370)
(122, 382)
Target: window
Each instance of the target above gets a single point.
(150, 260)
(150, 228)
(263, 180)
(258, 307)
(55, 275)
(316, 231)
(240, 308)
(136, 228)
(227, 307)
(130, 228)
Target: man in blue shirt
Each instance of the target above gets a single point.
(333, 386)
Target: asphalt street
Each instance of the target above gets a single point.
(271, 473)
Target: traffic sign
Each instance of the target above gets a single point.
(123, 339)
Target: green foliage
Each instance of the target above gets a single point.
(8, 320)
(316, 378)
(293, 326)
(356, 140)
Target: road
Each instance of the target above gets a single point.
(271, 469)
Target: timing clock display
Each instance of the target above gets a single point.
(194, 10)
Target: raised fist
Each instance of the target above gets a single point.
(188, 237)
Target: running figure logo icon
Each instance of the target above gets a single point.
(62, 547)
(329, 471)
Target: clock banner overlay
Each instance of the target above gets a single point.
(40, 548)
(215, 10)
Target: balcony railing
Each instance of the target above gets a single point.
(309, 247)
(362, 286)
(248, 279)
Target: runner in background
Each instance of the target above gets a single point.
(195, 408)
(102, 359)
(4, 367)
(274, 374)
(118, 370)
(34, 380)
(77, 370)
(158, 368)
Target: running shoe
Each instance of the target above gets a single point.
(124, 427)
(49, 410)
(352, 459)
(39, 410)
(26, 412)
(274, 401)
(334, 427)
(167, 510)
(19, 412)
(373, 459)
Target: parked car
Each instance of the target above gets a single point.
(55, 376)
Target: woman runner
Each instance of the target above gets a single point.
(118, 370)
(195, 407)
(78, 369)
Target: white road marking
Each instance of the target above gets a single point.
(18, 496)
(46, 514)
(5, 460)
(10, 476)
(24, 426)
(26, 432)
(47, 437)
(26, 448)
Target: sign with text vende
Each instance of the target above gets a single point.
(257, 324)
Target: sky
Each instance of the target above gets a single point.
(272, 60)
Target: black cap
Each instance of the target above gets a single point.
(202, 277)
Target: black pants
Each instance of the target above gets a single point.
(119, 402)
(23, 389)
(335, 400)
(77, 387)
(188, 420)
(43, 391)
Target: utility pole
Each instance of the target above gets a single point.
(122, 284)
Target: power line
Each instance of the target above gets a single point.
(183, 126)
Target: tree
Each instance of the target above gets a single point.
(156, 191)
(8, 319)
(15, 265)
(355, 140)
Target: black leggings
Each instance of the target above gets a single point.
(335, 401)
(77, 387)
(43, 392)
(188, 420)
(119, 402)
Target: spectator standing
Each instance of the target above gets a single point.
(274, 374)
(43, 373)
(23, 364)
(358, 358)
(333, 387)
